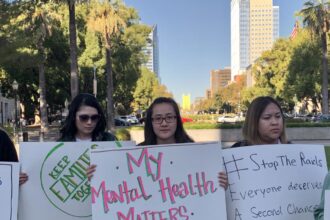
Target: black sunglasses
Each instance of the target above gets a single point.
(85, 118)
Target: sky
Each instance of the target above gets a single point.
(194, 38)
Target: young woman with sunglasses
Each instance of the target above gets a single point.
(85, 121)
(163, 125)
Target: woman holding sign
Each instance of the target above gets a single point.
(163, 125)
(8, 153)
(264, 123)
(85, 121)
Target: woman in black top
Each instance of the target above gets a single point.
(264, 123)
(85, 121)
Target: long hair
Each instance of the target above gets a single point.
(150, 137)
(69, 129)
(250, 127)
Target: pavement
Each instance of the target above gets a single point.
(34, 134)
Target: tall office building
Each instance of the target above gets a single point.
(186, 102)
(219, 79)
(152, 51)
(254, 28)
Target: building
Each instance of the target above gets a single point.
(219, 79)
(208, 94)
(152, 52)
(7, 110)
(186, 102)
(254, 28)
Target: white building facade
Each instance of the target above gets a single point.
(152, 52)
(254, 28)
(7, 110)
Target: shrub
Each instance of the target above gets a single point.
(123, 134)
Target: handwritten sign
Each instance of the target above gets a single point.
(9, 174)
(274, 181)
(58, 187)
(164, 182)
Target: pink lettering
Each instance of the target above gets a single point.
(183, 189)
(147, 158)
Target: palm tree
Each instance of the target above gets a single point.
(36, 22)
(105, 20)
(73, 49)
(316, 18)
(74, 75)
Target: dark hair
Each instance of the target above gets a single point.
(250, 127)
(150, 137)
(69, 129)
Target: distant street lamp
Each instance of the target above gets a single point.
(15, 88)
(94, 81)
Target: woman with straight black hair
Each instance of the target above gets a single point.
(163, 124)
(85, 121)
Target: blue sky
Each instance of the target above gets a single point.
(194, 38)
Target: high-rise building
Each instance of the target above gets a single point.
(254, 28)
(152, 51)
(186, 102)
(219, 79)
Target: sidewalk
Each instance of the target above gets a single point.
(35, 136)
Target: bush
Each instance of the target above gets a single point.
(122, 134)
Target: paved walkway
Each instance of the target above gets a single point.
(35, 136)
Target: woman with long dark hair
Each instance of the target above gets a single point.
(163, 125)
(85, 121)
(264, 123)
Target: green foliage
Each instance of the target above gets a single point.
(147, 89)
(305, 71)
(122, 134)
(143, 94)
(18, 46)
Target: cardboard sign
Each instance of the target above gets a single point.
(172, 182)
(57, 187)
(281, 182)
(9, 179)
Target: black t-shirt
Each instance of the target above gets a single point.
(7, 148)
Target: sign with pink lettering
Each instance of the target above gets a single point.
(9, 173)
(282, 182)
(163, 182)
(58, 187)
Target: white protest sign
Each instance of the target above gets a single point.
(163, 182)
(326, 204)
(57, 187)
(9, 174)
(281, 182)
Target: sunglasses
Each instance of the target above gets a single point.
(85, 118)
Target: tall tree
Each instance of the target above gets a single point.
(36, 22)
(145, 88)
(105, 19)
(74, 79)
(316, 17)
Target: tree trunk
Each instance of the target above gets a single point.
(73, 50)
(325, 97)
(42, 92)
(110, 104)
